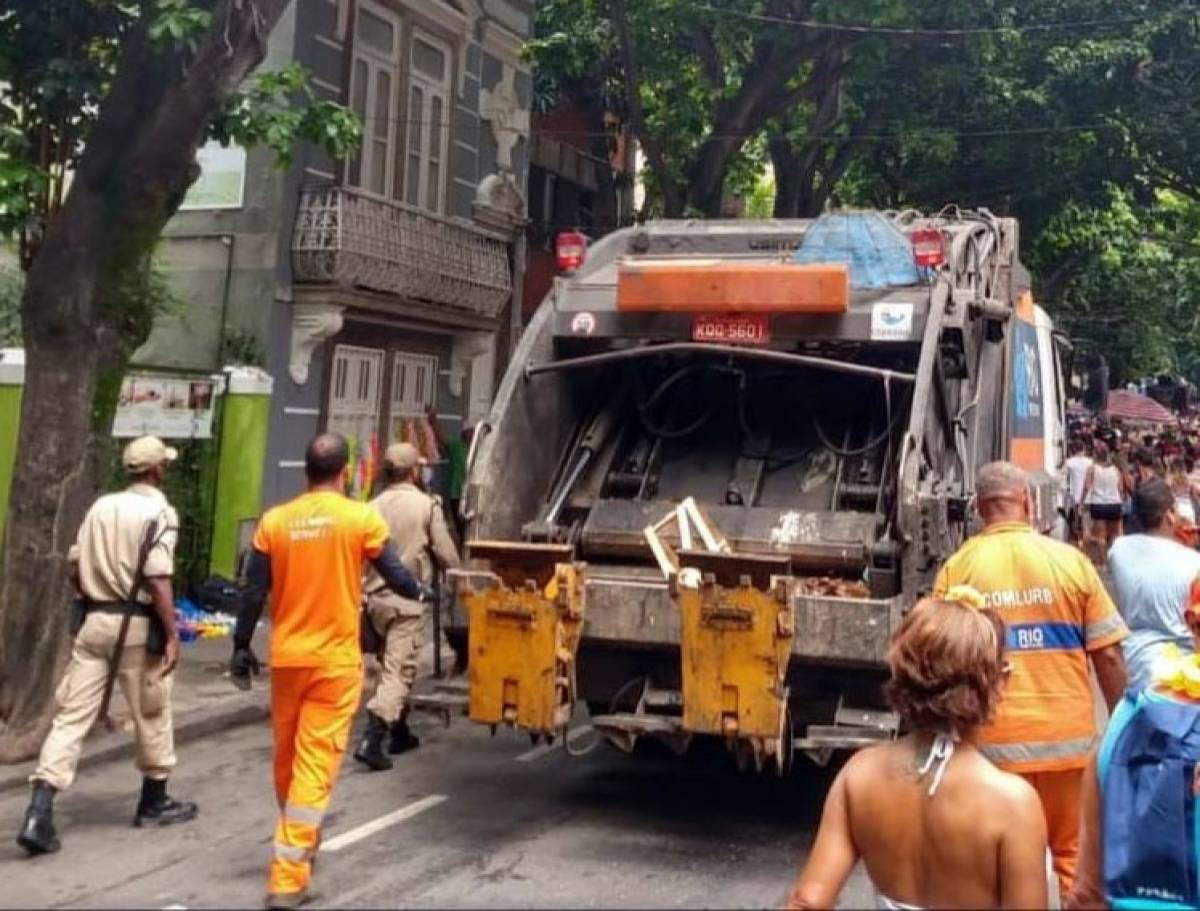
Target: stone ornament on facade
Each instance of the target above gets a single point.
(499, 203)
(312, 324)
(509, 120)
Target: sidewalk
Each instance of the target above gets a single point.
(204, 702)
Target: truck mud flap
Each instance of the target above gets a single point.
(737, 632)
(525, 620)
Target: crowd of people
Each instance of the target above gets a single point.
(1014, 786)
(1106, 465)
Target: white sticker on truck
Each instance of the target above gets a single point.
(891, 322)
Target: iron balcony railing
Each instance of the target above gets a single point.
(347, 238)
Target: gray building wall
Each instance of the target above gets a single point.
(231, 268)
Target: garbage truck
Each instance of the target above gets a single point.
(725, 459)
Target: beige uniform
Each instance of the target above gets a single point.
(417, 525)
(105, 556)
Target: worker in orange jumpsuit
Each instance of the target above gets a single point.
(1059, 619)
(309, 554)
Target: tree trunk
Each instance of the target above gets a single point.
(674, 196)
(787, 185)
(79, 327)
(53, 483)
(706, 189)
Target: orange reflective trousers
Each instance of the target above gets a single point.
(312, 710)
(1061, 794)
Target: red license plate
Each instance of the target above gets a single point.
(732, 330)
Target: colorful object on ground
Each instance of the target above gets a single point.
(195, 623)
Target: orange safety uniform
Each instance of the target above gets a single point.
(316, 545)
(1056, 610)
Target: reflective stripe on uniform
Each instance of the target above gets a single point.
(1024, 637)
(312, 816)
(1102, 629)
(293, 853)
(1038, 750)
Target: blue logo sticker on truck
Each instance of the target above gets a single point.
(1027, 399)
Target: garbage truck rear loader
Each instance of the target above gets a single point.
(726, 458)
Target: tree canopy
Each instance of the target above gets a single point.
(1079, 117)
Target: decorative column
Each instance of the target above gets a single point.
(245, 416)
(12, 384)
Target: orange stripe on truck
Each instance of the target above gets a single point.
(716, 286)
(1025, 309)
(1028, 452)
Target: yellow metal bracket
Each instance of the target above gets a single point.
(526, 620)
(736, 641)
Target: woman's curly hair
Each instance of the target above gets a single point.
(947, 664)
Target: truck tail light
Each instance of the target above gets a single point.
(570, 249)
(929, 247)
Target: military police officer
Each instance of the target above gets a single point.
(418, 527)
(121, 564)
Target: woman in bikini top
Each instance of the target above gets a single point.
(935, 824)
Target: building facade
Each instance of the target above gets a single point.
(377, 292)
(580, 179)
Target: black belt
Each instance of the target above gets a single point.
(119, 608)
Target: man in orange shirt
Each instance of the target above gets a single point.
(1058, 617)
(309, 554)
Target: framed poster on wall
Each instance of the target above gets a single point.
(170, 406)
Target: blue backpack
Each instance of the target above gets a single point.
(1146, 769)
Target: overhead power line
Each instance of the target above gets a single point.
(906, 32)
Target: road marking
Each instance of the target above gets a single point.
(366, 830)
(539, 751)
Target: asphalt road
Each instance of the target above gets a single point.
(466, 821)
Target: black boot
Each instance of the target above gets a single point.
(157, 809)
(370, 749)
(401, 739)
(37, 835)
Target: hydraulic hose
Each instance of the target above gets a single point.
(669, 383)
(861, 450)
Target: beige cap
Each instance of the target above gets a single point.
(145, 453)
(403, 456)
